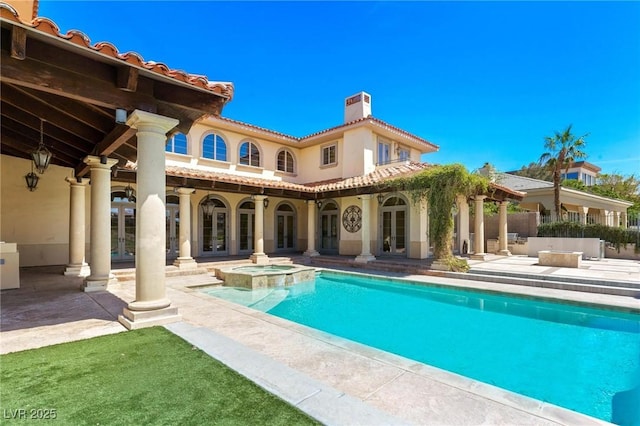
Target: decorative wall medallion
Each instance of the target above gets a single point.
(352, 219)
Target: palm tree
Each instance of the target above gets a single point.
(563, 148)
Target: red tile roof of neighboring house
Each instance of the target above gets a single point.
(47, 26)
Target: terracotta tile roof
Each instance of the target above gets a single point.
(378, 176)
(78, 38)
(369, 118)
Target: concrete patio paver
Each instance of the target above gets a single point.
(406, 391)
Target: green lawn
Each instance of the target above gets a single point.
(147, 376)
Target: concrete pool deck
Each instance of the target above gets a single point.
(324, 375)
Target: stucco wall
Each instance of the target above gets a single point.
(37, 221)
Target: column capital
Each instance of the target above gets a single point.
(138, 119)
(96, 162)
(77, 181)
(479, 197)
(461, 199)
(185, 191)
(366, 196)
(259, 197)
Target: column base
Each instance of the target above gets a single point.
(311, 253)
(479, 256)
(185, 263)
(259, 258)
(364, 258)
(98, 283)
(81, 270)
(504, 253)
(134, 320)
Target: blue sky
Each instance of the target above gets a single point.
(484, 81)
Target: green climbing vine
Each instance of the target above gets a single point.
(439, 186)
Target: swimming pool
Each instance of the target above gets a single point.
(577, 357)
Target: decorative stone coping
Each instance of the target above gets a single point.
(563, 259)
(266, 276)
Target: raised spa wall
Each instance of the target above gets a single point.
(268, 278)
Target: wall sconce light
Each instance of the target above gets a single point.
(41, 156)
(380, 198)
(208, 207)
(265, 202)
(31, 179)
(319, 204)
(128, 192)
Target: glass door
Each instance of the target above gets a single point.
(329, 229)
(123, 232)
(173, 230)
(285, 228)
(394, 227)
(246, 222)
(213, 231)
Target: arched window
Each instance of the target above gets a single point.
(285, 162)
(177, 143)
(214, 147)
(249, 154)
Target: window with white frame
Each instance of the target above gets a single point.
(177, 143)
(249, 154)
(328, 155)
(214, 147)
(285, 161)
(384, 151)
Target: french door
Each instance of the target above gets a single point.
(246, 223)
(285, 228)
(394, 227)
(123, 231)
(173, 230)
(329, 229)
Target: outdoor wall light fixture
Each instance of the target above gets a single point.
(319, 204)
(128, 192)
(265, 202)
(208, 207)
(41, 156)
(31, 179)
(380, 198)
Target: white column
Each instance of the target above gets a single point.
(502, 231)
(478, 239)
(311, 229)
(77, 266)
(258, 256)
(623, 219)
(463, 224)
(365, 231)
(100, 248)
(151, 307)
(616, 219)
(184, 260)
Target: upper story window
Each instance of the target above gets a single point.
(285, 162)
(404, 154)
(249, 154)
(384, 151)
(214, 147)
(329, 155)
(177, 143)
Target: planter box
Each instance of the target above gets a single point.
(563, 259)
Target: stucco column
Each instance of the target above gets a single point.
(463, 224)
(623, 219)
(365, 231)
(77, 266)
(478, 239)
(616, 219)
(502, 231)
(604, 219)
(100, 249)
(258, 256)
(311, 229)
(151, 307)
(184, 260)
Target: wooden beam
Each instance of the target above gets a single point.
(127, 78)
(18, 42)
(112, 141)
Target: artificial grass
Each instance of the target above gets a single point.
(147, 376)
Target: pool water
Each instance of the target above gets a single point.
(577, 357)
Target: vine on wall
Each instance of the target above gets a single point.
(439, 186)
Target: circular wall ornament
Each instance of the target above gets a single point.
(352, 219)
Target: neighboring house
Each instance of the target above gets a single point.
(575, 205)
(582, 171)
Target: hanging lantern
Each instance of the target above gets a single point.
(208, 207)
(41, 156)
(31, 179)
(128, 192)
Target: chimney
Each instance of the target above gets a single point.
(357, 106)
